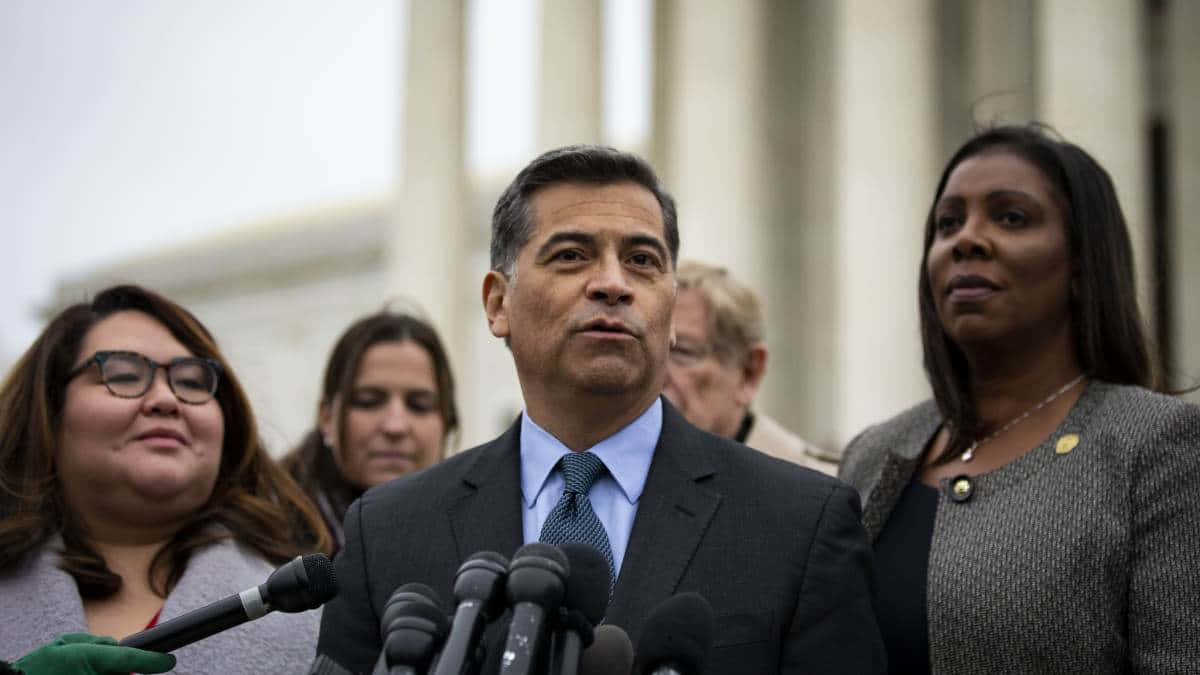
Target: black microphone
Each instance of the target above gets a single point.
(536, 584)
(411, 630)
(413, 641)
(611, 653)
(479, 591)
(586, 600)
(677, 637)
(305, 583)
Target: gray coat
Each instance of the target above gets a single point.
(1086, 561)
(38, 601)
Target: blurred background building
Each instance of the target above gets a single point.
(802, 140)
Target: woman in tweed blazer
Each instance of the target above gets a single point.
(1042, 512)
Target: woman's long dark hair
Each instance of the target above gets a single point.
(253, 499)
(312, 463)
(1110, 339)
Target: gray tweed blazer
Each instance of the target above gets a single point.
(1086, 561)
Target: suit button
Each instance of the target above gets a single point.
(961, 488)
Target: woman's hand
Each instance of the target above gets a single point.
(91, 655)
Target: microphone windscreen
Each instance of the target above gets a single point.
(431, 614)
(538, 574)
(611, 653)
(301, 584)
(539, 549)
(589, 581)
(416, 592)
(414, 636)
(678, 633)
(408, 594)
(321, 577)
(482, 577)
(491, 556)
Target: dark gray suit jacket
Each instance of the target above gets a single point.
(778, 550)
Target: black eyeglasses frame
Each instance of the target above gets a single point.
(104, 355)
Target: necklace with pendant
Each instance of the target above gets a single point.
(969, 453)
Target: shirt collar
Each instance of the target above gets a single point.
(626, 454)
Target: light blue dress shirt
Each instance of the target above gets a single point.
(614, 495)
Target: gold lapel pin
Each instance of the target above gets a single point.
(1066, 444)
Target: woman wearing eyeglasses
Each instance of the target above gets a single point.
(134, 488)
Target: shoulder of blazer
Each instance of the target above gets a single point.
(733, 468)
(881, 460)
(903, 435)
(1144, 405)
(1158, 429)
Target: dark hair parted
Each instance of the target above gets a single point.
(513, 218)
(311, 463)
(253, 499)
(1110, 341)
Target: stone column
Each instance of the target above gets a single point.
(802, 387)
(710, 111)
(429, 247)
(426, 245)
(1091, 89)
(886, 170)
(571, 73)
(1183, 44)
(1000, 52)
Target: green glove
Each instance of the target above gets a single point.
(91, 655)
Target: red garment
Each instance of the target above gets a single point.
(154, 619)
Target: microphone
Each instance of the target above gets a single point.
(586, 600)
(611, 653)
(536, 585)
(301, 584)
(677, 637)
(411, 630)
(412, 643)
(479, 591)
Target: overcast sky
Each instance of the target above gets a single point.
(130, 125)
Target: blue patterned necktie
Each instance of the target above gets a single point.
(573, 518)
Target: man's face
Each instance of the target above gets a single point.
(711, 390)
(588, 307)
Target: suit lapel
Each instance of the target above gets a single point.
(894, 475)
(672, 515)
(901, 459)
(485, 512)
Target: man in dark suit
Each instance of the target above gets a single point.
(584, 244)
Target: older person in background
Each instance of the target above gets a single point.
(718, 360)
(134, 488)
(387, 408)
(1040, 514)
